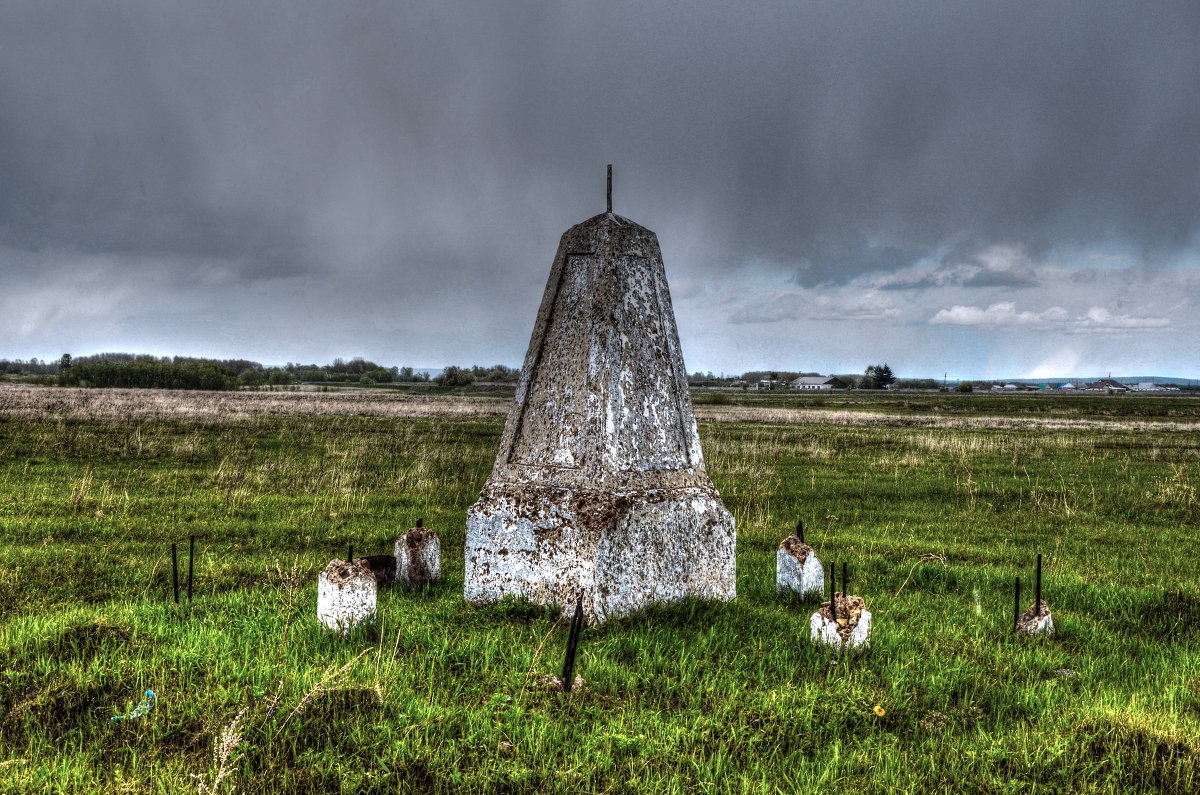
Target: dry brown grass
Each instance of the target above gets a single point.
(834, 417)
(160, 404)
(18, 400)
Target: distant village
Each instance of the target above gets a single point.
(1107, 385)
(763, 381)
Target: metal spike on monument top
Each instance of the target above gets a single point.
(599, 484)
(609, 192)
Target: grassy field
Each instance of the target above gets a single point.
(935, 503)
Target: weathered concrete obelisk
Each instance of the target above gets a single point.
(599, 485)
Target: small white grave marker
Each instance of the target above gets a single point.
(848, 628)
(797, 568)
(346, 594)
(1036, 622)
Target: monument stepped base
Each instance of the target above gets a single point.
(547, 543)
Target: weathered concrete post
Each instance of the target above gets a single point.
(346, 594)
(797, 568)
(599, 485)
(844, 623)
(1035, 621)
(418, 557)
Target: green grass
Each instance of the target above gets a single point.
(934, 523)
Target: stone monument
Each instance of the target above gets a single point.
(599, 486)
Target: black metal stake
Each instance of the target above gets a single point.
(568, 672)
(1037, 598)
(610, 187)
(800, 530)
(420, 523)
(833, 590)
(175, 573)
(349, 553)
(191, 560)
(1017, 605)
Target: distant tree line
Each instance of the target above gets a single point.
(358, 370)
(34, 366)
(187, 372)
(136, 370)
(462, 376)
(150, 375)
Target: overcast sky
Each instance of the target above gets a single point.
(969, 187)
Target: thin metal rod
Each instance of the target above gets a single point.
(420, 523)
(1017, 605)
(1037, 599)
(349, 553)
(833, 590)
(568, 672)
(610, 187)
(191, 562)
(175, 573)
(800, 530)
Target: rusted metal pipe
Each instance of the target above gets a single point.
(568, 672)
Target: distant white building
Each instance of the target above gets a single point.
(1069, 385)
(1146, 386)
(813, 382)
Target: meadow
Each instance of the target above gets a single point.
(934, 502)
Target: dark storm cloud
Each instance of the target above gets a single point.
(423, 144)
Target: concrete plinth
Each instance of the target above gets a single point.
(346, 595)
(549, 544)
(851, 629)
(797, 569)
(418, 558)
(599, 485)
(1036, 623)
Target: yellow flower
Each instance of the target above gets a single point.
(880, 710)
